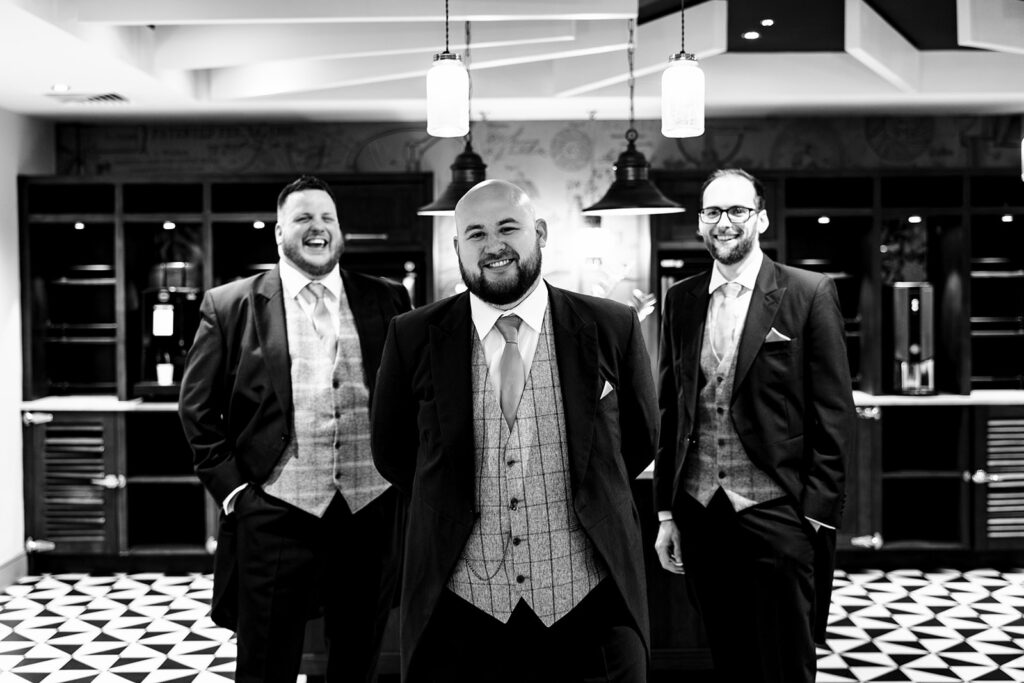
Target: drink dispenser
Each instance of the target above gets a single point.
(170, 311)
(913, 336)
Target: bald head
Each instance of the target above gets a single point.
(495, 192)
(498, 238)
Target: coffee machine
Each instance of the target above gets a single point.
(912, 323)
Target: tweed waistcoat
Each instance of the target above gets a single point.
(720, 459)
(330, 447)
(527, 542)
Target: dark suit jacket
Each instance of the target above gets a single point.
(792, 401)
(423, 439)
(236, 395)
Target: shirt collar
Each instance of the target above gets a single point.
(531, 310)
(293, 280)
(747, 276)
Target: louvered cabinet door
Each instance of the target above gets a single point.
(72, 482)
(998, 478)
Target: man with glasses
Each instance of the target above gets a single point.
(757, 418)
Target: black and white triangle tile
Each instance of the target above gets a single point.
(138, 628)
(928, 627)
(908, 625)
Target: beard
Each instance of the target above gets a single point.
(728, 256)
(292, 249)
(510, 290)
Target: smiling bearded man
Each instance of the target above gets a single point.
(515, 416)
(275, 405)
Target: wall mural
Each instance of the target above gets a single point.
(564, 166)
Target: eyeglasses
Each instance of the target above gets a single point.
(736, 214)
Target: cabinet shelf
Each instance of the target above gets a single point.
(84, 281)
(997, 333)
(81, 340)
(922, 474)
(1015, 274)
(187, 480)
(71, 218)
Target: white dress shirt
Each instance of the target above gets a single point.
(530, 310)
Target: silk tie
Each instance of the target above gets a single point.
(726, 323)
(322, 322)
(511, 369)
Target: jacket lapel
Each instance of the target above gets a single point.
(694, 308)
(271, 330)
(576, 349)
(369, 321)
(764, 303)
(450, 367)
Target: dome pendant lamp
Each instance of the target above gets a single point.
(447, 92)
(682, 91)
(468, 168)
(632, 193)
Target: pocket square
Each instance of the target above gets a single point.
(608, 388)
(775, 336)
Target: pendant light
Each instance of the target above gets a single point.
(632, 193)
(468, 168)
(682, 91)
(447, 92)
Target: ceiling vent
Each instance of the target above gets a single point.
(84, 98)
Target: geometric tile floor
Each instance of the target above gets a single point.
(137, 628)
(908, 625)
(936, 626)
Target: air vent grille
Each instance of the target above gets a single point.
(86, 98)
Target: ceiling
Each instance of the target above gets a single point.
(336, 60)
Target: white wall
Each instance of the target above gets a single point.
(28, 147)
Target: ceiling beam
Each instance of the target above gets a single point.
(191, 12)
(991, 25)
(273, 78)
(874, 43)
(208, 47)
(706, 36)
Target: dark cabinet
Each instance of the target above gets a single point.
(73, 482)
(937, 474)
(998, 476)
(113, 271)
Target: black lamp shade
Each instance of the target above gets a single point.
(632, 193)
(468, 169)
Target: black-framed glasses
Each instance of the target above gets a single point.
(736, 214)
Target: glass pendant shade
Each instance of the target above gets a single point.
(447, 97)
(682, 97)
(632, 193)
(467, 170)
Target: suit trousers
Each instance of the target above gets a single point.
(294, 566)
(751, 574)
(596, 641)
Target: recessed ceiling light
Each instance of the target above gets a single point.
(767, 22)
(914, 219)
(751, 35)
(60, 87)
(1007, 218)
(169, 225)
(824, 220)
(79, 225)
(259, 225)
